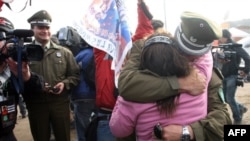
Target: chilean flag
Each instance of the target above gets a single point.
(104, 26)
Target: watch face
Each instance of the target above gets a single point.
(185, 137)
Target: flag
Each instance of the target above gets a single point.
(104, 26)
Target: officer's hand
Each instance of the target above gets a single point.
(174, 133)
(194, 84)
(57, 89)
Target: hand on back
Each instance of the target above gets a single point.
(194, 84)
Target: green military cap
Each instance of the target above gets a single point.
(40, 18)
(196, 33)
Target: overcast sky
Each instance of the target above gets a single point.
(64, 12)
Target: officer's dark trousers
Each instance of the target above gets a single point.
(42, 115)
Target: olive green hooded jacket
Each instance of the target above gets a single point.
(145, 86)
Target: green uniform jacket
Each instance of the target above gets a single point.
(145, 86)
(57, 65)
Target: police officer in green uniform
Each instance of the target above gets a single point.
(143, 86)
(61, 73)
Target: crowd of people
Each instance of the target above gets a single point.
(165, 78)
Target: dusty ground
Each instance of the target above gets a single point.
(22, 130)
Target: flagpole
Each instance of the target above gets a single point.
(165, 17)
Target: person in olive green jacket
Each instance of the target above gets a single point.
(148, 87)
(61, 73)
(144, 86)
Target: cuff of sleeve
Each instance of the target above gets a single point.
(173, 81)
(197, 130)
(66, 84)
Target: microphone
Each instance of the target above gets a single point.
(21, 33)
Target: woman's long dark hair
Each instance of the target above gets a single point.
(165, 60)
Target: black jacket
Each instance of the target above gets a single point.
(232, 67)
(33, 86)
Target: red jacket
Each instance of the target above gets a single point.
(144, 26)
(105, 84)
(1, 4)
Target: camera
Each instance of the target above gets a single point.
(29, 52)
(226, 53)
(53, 89)
(20, 51)
(240, 81)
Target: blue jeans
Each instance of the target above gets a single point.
(82, 111)
(229, 89)
(103, 129)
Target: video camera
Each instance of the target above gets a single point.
(226, 51)
(26, 52)
(240, 81)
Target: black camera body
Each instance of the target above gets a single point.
(55, 90)
(19, 50)
(240, 82)
(227, 52)
(228, 55)
(29, 52)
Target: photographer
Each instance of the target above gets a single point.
(230, 70)
(9, 95)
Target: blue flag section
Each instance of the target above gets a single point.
(236, 132)
(104, 26)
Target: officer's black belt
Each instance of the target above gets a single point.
(104, 111)
(106, 117)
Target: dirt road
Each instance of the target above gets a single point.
(22, 130)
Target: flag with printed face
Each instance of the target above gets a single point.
(104, 26)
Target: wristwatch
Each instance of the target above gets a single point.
(158, 131)
(185, 134)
